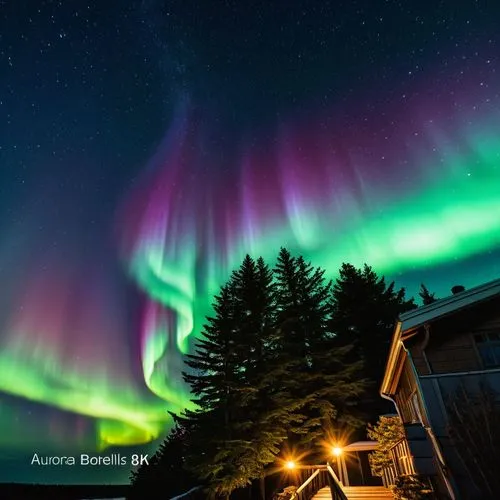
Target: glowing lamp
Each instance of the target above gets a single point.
(290, 464)
(337, 451)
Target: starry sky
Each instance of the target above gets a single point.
(146, 147)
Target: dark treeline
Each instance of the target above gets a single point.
(426, 296)
(289, 362)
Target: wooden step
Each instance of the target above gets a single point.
(358, 493)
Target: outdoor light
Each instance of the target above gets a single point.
(337, 451)
(290, 464)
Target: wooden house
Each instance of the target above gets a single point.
(437, 351)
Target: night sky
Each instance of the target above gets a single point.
(146, 147)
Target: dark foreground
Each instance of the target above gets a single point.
(63, 492)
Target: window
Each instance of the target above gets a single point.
(488, 347)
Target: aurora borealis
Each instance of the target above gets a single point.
(185, 232)
(133, 181)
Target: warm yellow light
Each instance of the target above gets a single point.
(337, 451)
(290, 464)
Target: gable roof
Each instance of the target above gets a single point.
(422, 315)
(449, 305)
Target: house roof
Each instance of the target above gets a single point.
(422, 315)
(448, 305)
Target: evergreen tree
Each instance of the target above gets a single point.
(165, 469)
(268, 407)
(266, 368)
(387, 432)
(243, 415)
(213, 380)
(364, 312)
(426, 296)
(318, 375)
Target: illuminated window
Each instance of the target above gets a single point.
(488, 347)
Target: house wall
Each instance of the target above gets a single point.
(451, 347)
(456, 354)
(408, 399)
(418, 357)
(437, 390)
(450, 360)
(417, 445)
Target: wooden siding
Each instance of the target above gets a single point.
(418, 357)
(457, 353)
(451, 346)
(491, 323)
(407, 397)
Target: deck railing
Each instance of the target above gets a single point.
(402, 458)
(402, 463)
(311, 485)
(335, 485)
(389, 476)
(322, 477)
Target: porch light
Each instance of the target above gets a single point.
(337, 451)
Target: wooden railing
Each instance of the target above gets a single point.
(322, 477)
(310, 486)
(402, 463)
(402, 458)
(335, 485)
(389, 476)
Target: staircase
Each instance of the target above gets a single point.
(358, 493)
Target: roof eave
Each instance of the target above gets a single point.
(392, 361)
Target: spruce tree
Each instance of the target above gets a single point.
(268, 408)
(318, 377)
(364, 312)
(242, 416)
(165, 469)
(387, 432)
(426, 296)
(212, 379)
(266, 368)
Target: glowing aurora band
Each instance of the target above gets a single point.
(410, 197)
(398, 205)
(62, 349)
